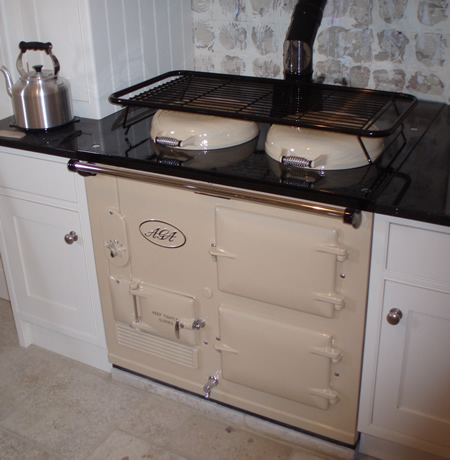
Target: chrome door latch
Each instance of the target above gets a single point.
(114, 234)
(112, 247)
(184, 323)
(213, 381)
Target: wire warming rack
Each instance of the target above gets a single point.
(348, 110)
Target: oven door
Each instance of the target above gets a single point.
(277, 358)
(275, 260)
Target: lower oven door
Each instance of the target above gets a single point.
(278, 358)
(251, 304)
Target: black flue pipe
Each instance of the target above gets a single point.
(298, 46)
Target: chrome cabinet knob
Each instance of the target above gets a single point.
(394, 316)
(70, 238)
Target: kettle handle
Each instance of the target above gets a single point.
(36, 46)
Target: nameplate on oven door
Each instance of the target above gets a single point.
(162, 234)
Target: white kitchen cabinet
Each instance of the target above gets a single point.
(405, 402)
(47, 252)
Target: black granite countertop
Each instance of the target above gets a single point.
(424, 174)
(410, 179)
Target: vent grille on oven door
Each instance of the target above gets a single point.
(157, 346)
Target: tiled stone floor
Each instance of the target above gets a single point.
(55, 408)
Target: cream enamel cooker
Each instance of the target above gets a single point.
(248, 293)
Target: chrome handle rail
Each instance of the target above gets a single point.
(349, 216)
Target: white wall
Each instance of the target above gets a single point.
(9, 12)
(102, 45)
(135, 40)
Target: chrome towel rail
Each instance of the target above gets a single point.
(349, 216)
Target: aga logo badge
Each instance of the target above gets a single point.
(162, 234)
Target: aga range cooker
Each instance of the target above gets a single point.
(219, 272)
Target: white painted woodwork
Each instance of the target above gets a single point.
(52, 285)
(406, 371)
(3, 287)
(102, 46)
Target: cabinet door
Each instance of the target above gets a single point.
(411, 391)
(51, 284)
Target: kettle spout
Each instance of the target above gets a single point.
(9, 83)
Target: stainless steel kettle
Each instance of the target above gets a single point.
(41, 99)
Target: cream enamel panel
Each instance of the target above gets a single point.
(165, 314)
(284, 360)
(277, 261)
(152, 346)
(172, 241)
(115, 237)
(123, 303)
(413, 366)
(183, 269)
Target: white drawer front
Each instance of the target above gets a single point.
(418, 252)
(43, 177)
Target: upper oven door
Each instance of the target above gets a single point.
(279, 261)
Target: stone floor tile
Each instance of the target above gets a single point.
(120, 446)
(297, 439)
(156, 419)
(8, 333)
(203, 438)
(194, 402)
(22, 376)
(10, 354)
(5, 310)
(38, 454)
(300, 454)
(11, 447)
(71, 413)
